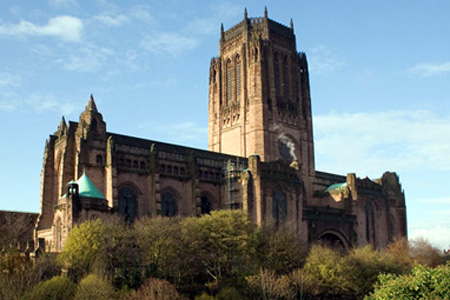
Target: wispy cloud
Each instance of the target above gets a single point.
(10, 80)
(323, 61)
(377, 141)
(67, 28)
(58, 4)
(111, 20)
(437, 235)
(39, 103)
(86, 59)
(179, 133)
(173, 43)
(430, 69)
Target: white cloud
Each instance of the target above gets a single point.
(111, 20)
(323, 61)
(430, 69)
(178, 133)
(39, 103)
(86, 59)
(377, 141)
(65, 27)
(438, 236)
(63, 3)
(441, 201)
(168, 42)
(10, 80)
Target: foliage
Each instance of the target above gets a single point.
(222, 243)
(266, 285)
(400, 252)
(426, 254)
(94, 287)
(422, 283)
(279, 249)
(20, 275)
(362, 266)
(204, 296)
(57, 288)
(227, 293)
(82, 248)
(156, 289)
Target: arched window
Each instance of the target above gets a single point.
(94, 125)
(229, 83)
(279, 207)
(135, 164)
(99, 159)
(286, 85)
(205, 205)
(276, 75)
(142, 165)
(238, 77)
(127, 203)
(162, 169)
(168, 204)
(370, 223)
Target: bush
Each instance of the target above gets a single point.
(267, 285)
(156, 289)
(93, 287)
(422, 283)
(228, 293)
(57, 288)
(204, 296)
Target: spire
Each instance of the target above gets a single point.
(292, 25)
(245, 14)
(62, 127)
(265, 12)
(91, 105)
(222, 33)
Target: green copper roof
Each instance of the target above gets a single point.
(336, 187)
(87, 189)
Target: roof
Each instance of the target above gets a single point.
(336, 187)
(87, 189)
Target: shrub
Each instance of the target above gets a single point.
(57, 288)
(156, 289)
(93, 287)
(422, 283)
(267, 285)
(204, 296)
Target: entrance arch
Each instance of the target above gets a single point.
(334, 239)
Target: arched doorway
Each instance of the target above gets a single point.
(128, 203)
(334, 240)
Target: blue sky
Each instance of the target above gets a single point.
(379, 72)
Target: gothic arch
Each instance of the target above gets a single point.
(334, 238)
(128, 202)
(169, 202)
(276, 75)
(229, 81)
(279, 205)
(238, 76)
(206, 202)
(370, 209)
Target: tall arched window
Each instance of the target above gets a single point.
(370, 223)
(238, 77)
(276, 74)
(279, 210)
(229, 83)
(128, 203)
(205, 205)
(286, 85)
(168, 204)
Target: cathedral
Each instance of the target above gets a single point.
(260, 158)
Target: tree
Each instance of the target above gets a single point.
(422, 283)
(57, 288)
(424, 253)
(268, 286)
(279, 249)
(83, 248)
(94, 287)
(156, 289)
(222, 243)
(399, 250)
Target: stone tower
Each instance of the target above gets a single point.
(259, 96)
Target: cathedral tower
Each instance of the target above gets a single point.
(259, 97)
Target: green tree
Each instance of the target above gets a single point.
(57, 288)
(422, 283)
(222, 243)
(82, 248)
(266, 285)
(156, 289)
(94, 287)
(279, 249)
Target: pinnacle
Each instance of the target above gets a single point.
(91, 105)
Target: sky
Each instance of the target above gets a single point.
(379, 75)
